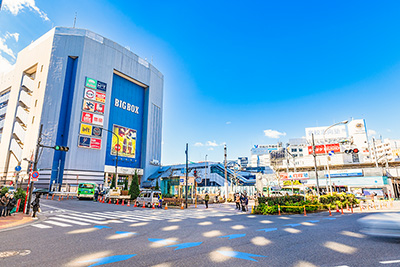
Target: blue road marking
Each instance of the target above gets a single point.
(292, 224)
(268, 229)
(185, 245)
(102, 227)
(329, 218)
(240, 255)
(161, 241)
(107, 260)
(313, 221)
(125, 233)
(233, 236)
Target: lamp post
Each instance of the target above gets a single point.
(327, 155)
(117, 148)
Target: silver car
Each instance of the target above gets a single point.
(381, 224)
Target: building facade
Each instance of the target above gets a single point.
(91, 95)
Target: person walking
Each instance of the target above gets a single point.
(246, 202)
(35, 206)
(11, 204)
(3, 205)
(206, 199)
(237, 200)
(160, 200)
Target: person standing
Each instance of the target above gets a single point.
(36, 205)
(206, 199)
(11, 204)
(237, 200)
(3, 205)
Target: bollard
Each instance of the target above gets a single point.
(182, 206)
(143, 205)
(166, 206)
(153, 208)
(109, 201)
(330, 213)
(52, 197)
(135, 203)
(279, 210)
(67, 196)
(129, 203)
(305, 214)
(59, 197)
(117, 201)
(123, 203)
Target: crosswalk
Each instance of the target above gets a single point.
(74, 218)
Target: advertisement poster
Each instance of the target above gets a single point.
(95, 143)
(88, 106)
(84, 141)
(99, 108)
(86, 129)
(127, 142)
(87, 117)
(98, 119)
(90, 94)
(91, 83)
(101, 97)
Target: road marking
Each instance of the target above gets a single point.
(86, 216)
(268, 229)
(82, 219)
(106, 260)
(233, 236)
(128, 220)
(69, 221)
(102, 227)
(42, 226)
(58, 223)
(292, 224)
(239, 255)
(390, 262)
(185, 245)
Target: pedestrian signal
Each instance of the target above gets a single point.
(61, 148)
(351, 151)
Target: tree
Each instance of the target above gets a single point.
(134, 190)
(126, 184)
(112, 182)
(157, 186)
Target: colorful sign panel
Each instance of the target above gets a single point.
(320, 149)
(99, 108)
(294, 176)
(95, 143)
(101, 97)
(90, 94)
(126, 140)
(101, 86)
(84, 141)
(91, 83)
(98, 119)
(86, 129)
(87, 117)
(96, 131)
(88, 105)
(345, 173)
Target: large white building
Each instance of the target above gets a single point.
(91, 95)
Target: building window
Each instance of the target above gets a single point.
(35, 102)
(300, 150)
(38, 86)
(33, 119)
(294, 149)
(41, 68)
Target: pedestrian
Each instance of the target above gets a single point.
(3, 205)
(206, 199)
(35, 206)
(160, 200)
(237, 200)
(246, 202)
(96, 194)
(242, 202)
(11, 204)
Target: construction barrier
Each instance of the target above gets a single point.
(279, 210)
(143, 205)
(123, 203)
(52, 197)
(129, 203)
(182, 206)
(166, 206)
(330, 213)
(153, 208)
(135, 204)
(47, 196)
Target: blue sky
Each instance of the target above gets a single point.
(234, 70)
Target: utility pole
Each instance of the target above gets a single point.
(375, 152)
(187, 170)
(315, 164)
(226, 177)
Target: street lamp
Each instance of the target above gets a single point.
(117, 148)
(327, 155)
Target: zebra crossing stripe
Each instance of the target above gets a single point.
(41, 226)
(69, 221)
(58, 223)
(82, 219)
(86, 216)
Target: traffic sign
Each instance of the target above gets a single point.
(117, 147)
(35, 174)
(198, 180)
(18, 168)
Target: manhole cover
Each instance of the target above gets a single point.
(11, 253)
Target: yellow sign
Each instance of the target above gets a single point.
(126, 143)
(86, 129)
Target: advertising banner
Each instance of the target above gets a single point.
(86, 129)
(101, 86)
(90, 94)
(88, 105)
(294, 176)
(320, 149)
(126, 142)
(99, 108)
(101, 97)
(91, 83)
(336, 132)
(87, 117)
(346, 173)
(98, 119)
(84, 142)
(95, 143)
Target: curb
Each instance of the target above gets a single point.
(40, 219)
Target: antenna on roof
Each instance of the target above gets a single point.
(75, 20)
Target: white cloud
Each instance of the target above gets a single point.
(198, 144)
(211, 148)
(5, 65)
(273, 134)
(372, 132)
(228, 122)
(13, 35)
(5, 49)
(15, 6)
(211, 143)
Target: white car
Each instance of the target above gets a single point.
(148, 197)
(381, 224)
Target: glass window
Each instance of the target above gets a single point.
(89, 186)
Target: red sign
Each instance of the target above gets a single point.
(90, 94)
(117, 147)
(99, 108)
(95, 143)
(320, 149)
(100, 97)
(87, 117)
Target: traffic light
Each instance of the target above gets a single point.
(61, 148)
(195, 173)
(351, 151)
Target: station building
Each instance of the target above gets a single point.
(91, 95)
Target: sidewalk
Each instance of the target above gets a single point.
(14, 220)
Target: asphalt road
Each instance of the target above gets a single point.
(84, 233)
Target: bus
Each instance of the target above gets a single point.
(86, 190)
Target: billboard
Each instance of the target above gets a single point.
(294, 175)
(336, 132)
(126, 142)
(320, 149)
